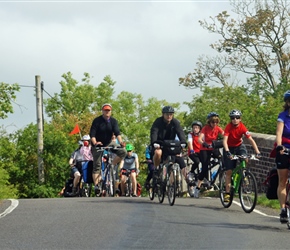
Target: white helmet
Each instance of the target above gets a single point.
(86, 138)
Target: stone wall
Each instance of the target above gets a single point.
(261, 168)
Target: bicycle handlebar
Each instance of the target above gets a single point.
(243, 157)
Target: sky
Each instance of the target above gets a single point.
(145, 46)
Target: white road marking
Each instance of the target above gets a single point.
(14, 204)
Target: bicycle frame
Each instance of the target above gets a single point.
(237, 175)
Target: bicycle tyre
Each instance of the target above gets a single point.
(248, 192)
(161, 191)
(111, 184)
(171, 188)
(222, 190)
(151, 190)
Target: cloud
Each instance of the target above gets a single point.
(144, 46)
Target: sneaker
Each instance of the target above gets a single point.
(134, 195)
(283, 216)
(196, 192)
(97, 190)
(227, 197)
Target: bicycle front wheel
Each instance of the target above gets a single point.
(161, 191)
(171, 186)
(226, 201)
(111, 183)
(248, 192)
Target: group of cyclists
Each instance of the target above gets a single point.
(200, 147)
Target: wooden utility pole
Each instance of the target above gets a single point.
(39, 113)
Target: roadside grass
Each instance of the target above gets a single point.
(262, 199)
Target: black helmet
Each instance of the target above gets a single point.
(197, 123)
(168, 109)
(235, 112)
(211, 114)
(286, 95)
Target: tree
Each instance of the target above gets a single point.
(253, 42)
(7, 97)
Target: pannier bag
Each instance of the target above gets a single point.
(217, 144)
(271, 184)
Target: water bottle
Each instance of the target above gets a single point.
(213, 175)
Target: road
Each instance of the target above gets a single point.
(137, 223)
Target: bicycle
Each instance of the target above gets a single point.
(214, 169)
(128, 183)
(243, 182)
(171, 176)
(108, 187)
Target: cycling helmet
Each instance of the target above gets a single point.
(107, 106)
(197, 123)
(129, 147)
(286, 95)
(235, 112)
(168, 109)
(211, 114)
(86, 138)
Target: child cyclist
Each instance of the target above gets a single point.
(233, 145)
(194, 146)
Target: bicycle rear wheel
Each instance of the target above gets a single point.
(222, 190)
(151, 190)
(171, 186)
(248, 192)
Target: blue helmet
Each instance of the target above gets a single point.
(286, 95)
(211, 114)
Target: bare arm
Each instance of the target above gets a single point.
(254, 145)
(225, 143)
(279, 131)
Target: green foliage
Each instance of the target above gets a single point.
(7, 96)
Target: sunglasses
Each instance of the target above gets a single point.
(214, 122)
(129, 151)
(235, 117)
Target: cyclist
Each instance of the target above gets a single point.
(194, 145)
(167, 127)
(86, 148)
(233, 145)
(102, 129)
(210, 132)
(130, 162)
(75, 162)
(150, 167)
(282, 159)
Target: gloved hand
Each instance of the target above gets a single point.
(279, 147)
(205, 145)
(228, 154)
(191, 151)
(259, 155)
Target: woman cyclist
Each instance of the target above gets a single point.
(209, 133)
(282, 160)
(130, 162)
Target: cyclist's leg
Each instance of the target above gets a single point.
(120, 153)
(282, 162)
(157, 157)
(204, 158)
(134, 182)
(181, 164)
(229, 166)
(97, 156)
(123, 181)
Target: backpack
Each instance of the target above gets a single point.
(271, 184)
